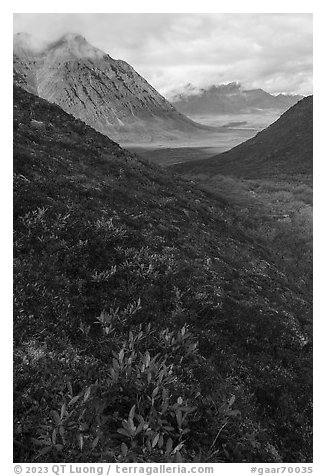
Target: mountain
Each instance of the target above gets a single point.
(285, 147)
(288, 100)
(107, 94)
(147, 320)
(228, 98)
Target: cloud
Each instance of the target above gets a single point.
(271, 51)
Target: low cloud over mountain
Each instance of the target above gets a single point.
(270, 51)
(107, 94)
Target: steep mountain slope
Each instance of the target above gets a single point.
(285, 147)
(147, 321)
(229, 99)
(107, 94)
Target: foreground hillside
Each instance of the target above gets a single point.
(149, 325)
(283, 148)
(107, 94)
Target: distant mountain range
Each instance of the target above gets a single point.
(285, 147)
(228, 99)
(106, 94)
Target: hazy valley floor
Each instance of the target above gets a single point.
(232, 131)
(258, 119)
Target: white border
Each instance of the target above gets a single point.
(319, 206)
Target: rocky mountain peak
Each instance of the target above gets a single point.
(107, 94)
(73, 45)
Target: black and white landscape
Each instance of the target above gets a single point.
(163, 238)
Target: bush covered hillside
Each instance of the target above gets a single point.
(149, 325)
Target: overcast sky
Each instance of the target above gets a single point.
(269, 51)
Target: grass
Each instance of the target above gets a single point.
(277, 212)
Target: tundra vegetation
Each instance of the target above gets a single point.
(152, 321)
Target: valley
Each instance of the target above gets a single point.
(268, 178)
(231, 130)
(255, 120)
